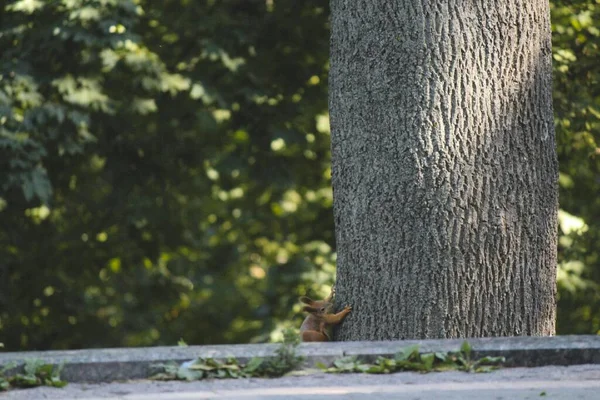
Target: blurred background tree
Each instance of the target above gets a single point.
(165, 169)
(576, 50)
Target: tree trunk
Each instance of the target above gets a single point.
(444, 168)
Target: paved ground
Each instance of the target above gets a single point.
(567, 383)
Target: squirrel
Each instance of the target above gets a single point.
(317, 325)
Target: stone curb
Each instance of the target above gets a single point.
(106, 365)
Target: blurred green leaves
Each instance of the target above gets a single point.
(138, 178)
(576, 41)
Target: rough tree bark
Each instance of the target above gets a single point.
(444, 168)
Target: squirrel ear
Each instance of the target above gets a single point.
(306, 300)
(309, 309)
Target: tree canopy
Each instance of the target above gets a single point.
(165, 169)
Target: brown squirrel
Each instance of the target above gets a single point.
(317, 325)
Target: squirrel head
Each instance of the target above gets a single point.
(316, 307)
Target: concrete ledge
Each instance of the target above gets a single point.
(105, 365)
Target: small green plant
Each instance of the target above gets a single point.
(283, 362)
(466, 363)
(201, 368)
(182, 343)
(35, 373)
(4, 382)
(410, 359)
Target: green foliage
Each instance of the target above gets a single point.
(410, 359)
(203, 369)
(165, 169)
(576, 48)
(35, 373)
(168, 173)
(285, 360)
